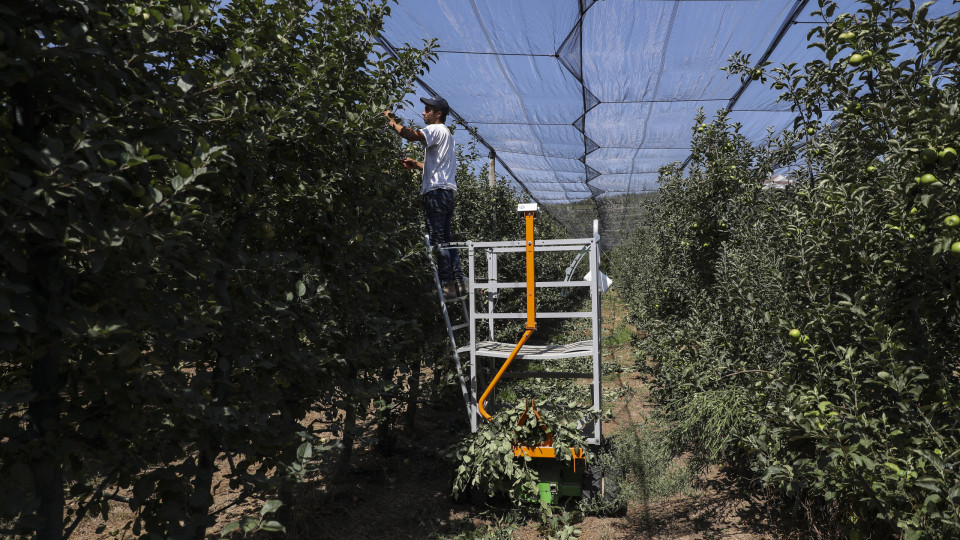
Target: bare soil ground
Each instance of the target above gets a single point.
(718, 506)
(406, 495)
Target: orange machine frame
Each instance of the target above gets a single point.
(544, 450)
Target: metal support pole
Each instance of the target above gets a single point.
(597, 329)
(492, 292)
(472, 407)
(492, 169)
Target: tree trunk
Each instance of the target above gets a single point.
(386, 438)
(44, 409)
(349, 429)
(413, 396)
(210, 445)
(44, 413)
(202, 499)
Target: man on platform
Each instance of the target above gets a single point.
(439, 168)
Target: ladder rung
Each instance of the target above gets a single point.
(547, 375)
(460, 326)
(523, 284)
(540, 315)
(450, 245)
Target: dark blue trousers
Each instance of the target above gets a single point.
(438, 208)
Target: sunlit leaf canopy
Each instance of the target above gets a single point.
(584, 100)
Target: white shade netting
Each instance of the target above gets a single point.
(583, 101)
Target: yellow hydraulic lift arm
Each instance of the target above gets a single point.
(529, 211)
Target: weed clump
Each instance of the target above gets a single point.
(486, 464)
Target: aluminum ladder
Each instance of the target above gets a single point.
(452, 328)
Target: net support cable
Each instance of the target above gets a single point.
(798, 7)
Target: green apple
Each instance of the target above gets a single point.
(928, 155)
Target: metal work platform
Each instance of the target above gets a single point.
(493, 349)
(483, 355)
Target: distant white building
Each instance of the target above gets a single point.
(778, 182)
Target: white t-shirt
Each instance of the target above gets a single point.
(440, 161)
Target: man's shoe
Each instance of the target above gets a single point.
(449, 290)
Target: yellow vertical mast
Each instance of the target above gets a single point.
(529, 211)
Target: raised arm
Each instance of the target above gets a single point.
(411, 135)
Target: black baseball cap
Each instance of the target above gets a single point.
(437, 102)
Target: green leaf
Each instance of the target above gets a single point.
(184, 170)
(229, 528)
(249, 524)
(143, 488)
(128, 353)
(305, 451)
(182, 84)
(272, 526)
(270, 506)
(928, 483)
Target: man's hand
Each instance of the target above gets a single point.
(411, 163)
